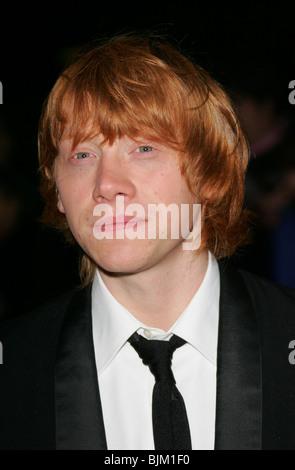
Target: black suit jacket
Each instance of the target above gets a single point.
(49, 396)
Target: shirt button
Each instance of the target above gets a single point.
(147, 334)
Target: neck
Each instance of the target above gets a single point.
(158, 297)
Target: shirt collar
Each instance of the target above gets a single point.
(198, 324)
(113, 324)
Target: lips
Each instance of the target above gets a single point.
(113, 224)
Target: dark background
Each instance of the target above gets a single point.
(250, 50)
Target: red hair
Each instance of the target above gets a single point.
(136, 86)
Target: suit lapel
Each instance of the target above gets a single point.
(79, 421)
(238, 405)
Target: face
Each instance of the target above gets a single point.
(108, 194)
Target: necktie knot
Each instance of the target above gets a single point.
(157, 355)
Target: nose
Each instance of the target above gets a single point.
(113, 179)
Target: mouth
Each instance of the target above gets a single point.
(114, 224)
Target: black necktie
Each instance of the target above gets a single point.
(170, 423)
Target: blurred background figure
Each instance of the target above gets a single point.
(261, 94)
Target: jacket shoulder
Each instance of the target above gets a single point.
(274, 307)
(269, 298)
(37, 323)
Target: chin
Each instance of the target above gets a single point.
(121, 258)
(121, 267)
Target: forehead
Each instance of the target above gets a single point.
(90, 122)
(97, 101)
(92, 134)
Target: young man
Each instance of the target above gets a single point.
(134, 140)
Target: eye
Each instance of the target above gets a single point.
(144, 149)
(82, 155)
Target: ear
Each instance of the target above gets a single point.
(59, 204)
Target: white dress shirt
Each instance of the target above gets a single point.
(126, 384)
